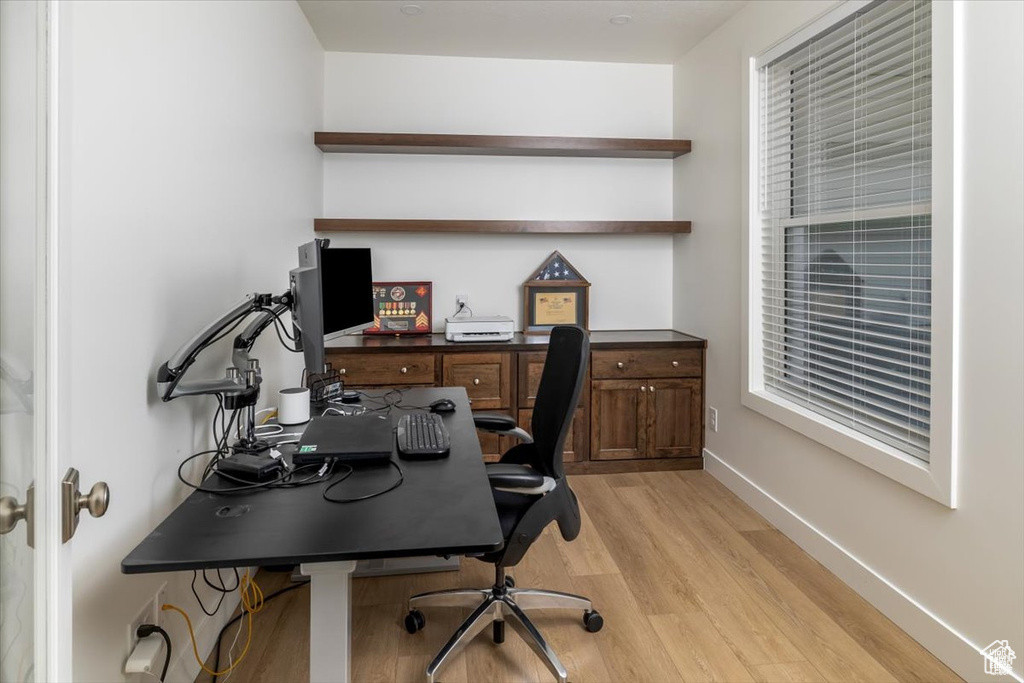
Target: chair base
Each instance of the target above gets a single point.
(499, 605)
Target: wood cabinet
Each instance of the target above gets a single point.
(641, 408)
(653, 408)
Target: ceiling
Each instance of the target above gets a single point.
(657, 32)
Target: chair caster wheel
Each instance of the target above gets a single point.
(414, 621)
(510, 582)
(592, 621)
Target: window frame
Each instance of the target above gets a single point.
(935, 479)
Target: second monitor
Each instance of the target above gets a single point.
(333, 291)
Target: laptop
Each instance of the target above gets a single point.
(354, 438)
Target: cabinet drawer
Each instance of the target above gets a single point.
(485, 376)
(384, 369)
(634, 363)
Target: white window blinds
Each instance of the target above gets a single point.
(845, 205)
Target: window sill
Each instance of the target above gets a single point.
(925, 478)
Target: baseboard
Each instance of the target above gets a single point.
(935, 635)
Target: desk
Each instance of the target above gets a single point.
(442, 507)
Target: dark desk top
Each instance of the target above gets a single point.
(442, 507)
(599, 340)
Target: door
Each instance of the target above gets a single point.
(26, 486)
(618, 418)
(674, 415)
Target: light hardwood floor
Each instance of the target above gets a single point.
(693, 586)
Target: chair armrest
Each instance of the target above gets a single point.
(494, 422)
(501, 424)
(506, 476)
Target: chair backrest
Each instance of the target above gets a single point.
(558, 395)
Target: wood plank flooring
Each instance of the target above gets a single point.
(693, 586)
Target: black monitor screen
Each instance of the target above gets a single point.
(333, 291)
(346, 290)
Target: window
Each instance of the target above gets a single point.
(841, 240)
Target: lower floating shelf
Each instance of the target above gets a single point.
(501, 227)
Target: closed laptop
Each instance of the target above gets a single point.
(345, 439)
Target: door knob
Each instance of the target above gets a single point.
(11, 513)
(643, 388)
(73, 502)
(620, 365)
(476, 380)
(404, 370)
(675, 364)
(652, 388)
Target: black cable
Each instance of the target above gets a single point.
(145, 631)
(220, 636)
(278, 327)
(398, 482)
(200, 601)
(222, 588)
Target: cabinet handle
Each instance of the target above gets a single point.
(643, 388)
(342, 371)
(620, 365)
(404, 370)
(476, 381)
(675, 364)
(652, 388)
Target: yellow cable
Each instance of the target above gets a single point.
(252, 602)
(270, 416)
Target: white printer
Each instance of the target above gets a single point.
(479, 328)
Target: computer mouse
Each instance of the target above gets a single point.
(442, 405)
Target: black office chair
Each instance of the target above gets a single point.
(530, 491)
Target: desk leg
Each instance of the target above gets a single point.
(330, 621)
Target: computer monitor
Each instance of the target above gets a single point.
(333, 290)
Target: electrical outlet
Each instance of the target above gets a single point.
(461, 300)
(713, 418)
(149, 613)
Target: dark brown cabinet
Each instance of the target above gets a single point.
(641, 408)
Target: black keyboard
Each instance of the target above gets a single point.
(422, 435)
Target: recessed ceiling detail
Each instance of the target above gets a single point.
(660, 31)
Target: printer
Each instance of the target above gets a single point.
(479, 328)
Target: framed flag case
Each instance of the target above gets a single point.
(555, 294)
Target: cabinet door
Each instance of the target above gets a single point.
(486, 377)
(575, 440)
(674, 418)
(618, 419)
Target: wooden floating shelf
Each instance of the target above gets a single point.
(502, 227)
(500, 145)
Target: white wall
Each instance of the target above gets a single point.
(952, 578)
(190, 178)
(630, 275)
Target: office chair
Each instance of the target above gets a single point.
(530, 491)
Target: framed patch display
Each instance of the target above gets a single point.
(401, 308)
(555, 294)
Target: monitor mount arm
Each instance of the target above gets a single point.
(240, 387)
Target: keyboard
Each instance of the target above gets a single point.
(422, 436)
